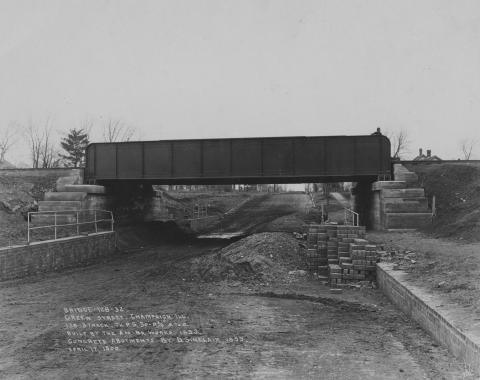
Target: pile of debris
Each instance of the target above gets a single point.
(456, 190)
(341, 253)
(264, 256)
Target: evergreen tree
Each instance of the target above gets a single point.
(75, 144)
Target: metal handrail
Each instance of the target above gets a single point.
(196, 211)
(355, 216)
(315, 206)
(68, 213)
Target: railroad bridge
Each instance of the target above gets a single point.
(126, 168)
(241, 160)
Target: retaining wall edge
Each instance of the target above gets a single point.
(460, 344)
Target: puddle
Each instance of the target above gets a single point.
(222, 235)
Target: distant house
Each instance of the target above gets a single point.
(428, 157)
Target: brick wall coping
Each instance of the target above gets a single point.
(54, 240)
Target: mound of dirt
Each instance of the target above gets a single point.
(287, 223)
(457, 191)
(19, 195)
(19, 191)
(264, 256)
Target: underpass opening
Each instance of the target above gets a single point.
(207, 209)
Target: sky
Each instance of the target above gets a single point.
(222, 68)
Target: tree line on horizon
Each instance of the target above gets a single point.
(46, 152)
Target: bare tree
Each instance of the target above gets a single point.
(399, 141)
(7, 139)
(42, 151)
(467, 145)
(116, 130)
(34, 141)
(86, 125)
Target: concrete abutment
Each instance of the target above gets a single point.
(392, 205)
(399, 204)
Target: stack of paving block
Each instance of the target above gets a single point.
(346, 235)
(344, 256)
(350, 257)
(317, 238)
(322, 253)
(363, 260)
(332, 245)
(335, 274)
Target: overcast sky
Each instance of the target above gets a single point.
(194, 69)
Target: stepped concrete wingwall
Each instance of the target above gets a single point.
(399, 204)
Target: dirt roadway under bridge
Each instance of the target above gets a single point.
(290, 328)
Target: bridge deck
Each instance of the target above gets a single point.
(248, 160)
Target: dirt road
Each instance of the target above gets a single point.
(290, 328)
(256, 214)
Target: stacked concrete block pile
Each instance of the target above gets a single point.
(317, 249)
(363, 260)
(341, 252)
(335, 274)
(332, 246)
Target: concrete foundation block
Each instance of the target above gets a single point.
(407, 220)
(89, 189)
(394, 205)
(59, 205)
(65, 196)
(68, 180)
(379, 185)
(403, 193)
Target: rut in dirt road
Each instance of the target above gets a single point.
(256, 213)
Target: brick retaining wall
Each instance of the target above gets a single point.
(25, 260)
(407, 298)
